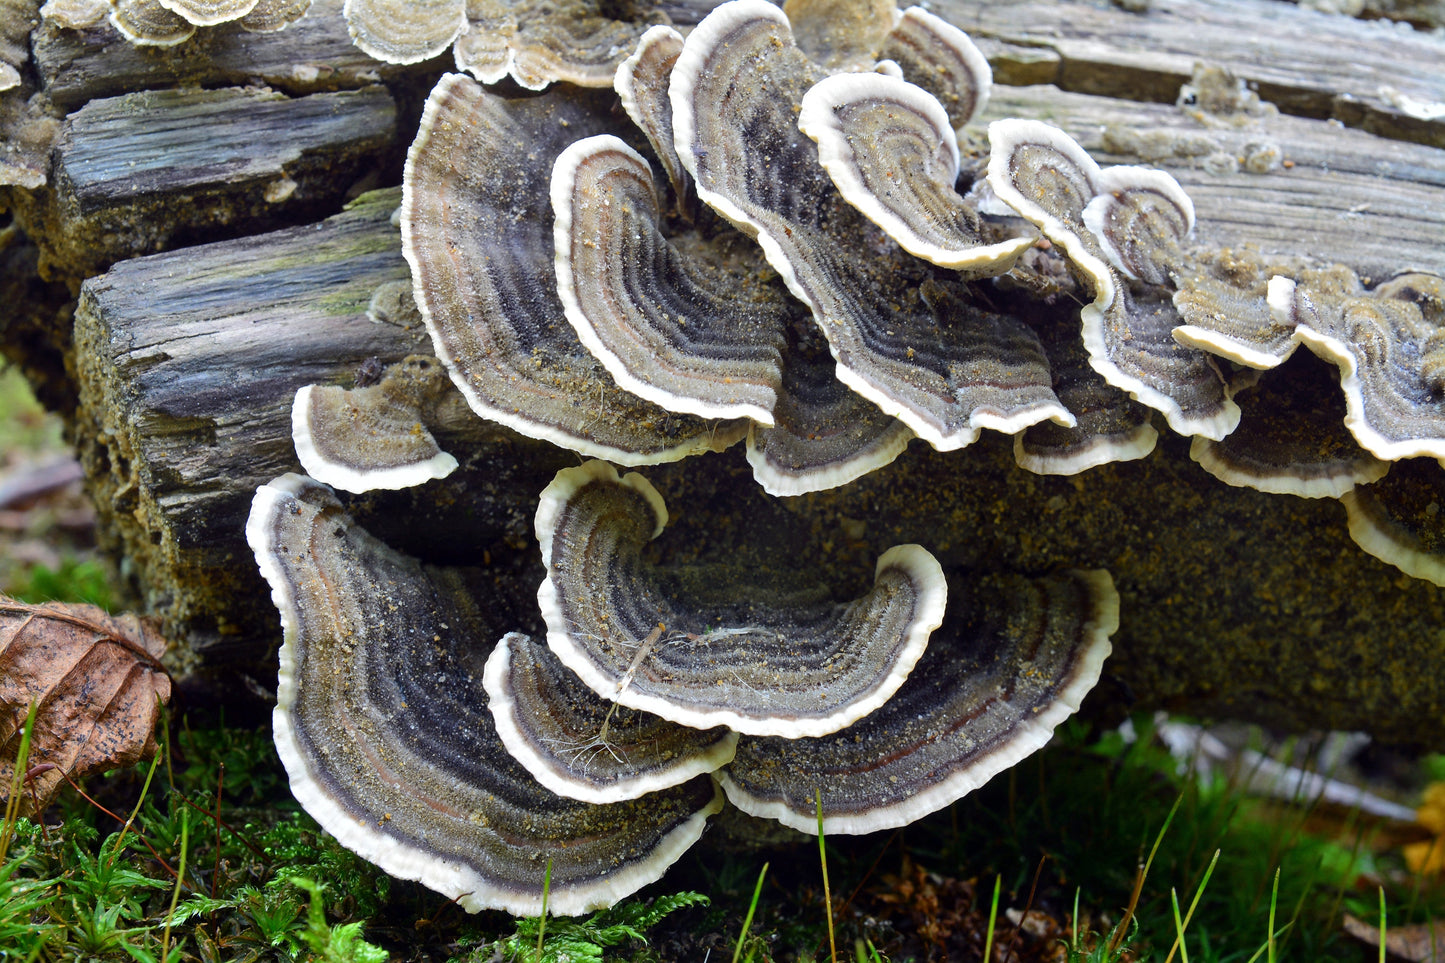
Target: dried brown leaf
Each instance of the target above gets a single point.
(98, 682)
(1420, 943)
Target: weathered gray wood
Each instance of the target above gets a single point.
(313, 54)
(188, 363)
(131, 173)
(1362, 73)
(1346, 196)
(1233, 601)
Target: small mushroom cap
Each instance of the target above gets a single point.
(1292, 437)
(209, 13)
(699, 334)
(1140, 217)
(823, 435)
(381, 723)
(269, 16)
(1109, 425)
(1391, 357)
(746, 657)
(1048, 178)
(1013, 660)
(477, 230)
(75, 14)
(404, 31)
(147, 23)
(940, 58)
(1231, 306)
(735, 91)
(540, 43)
(581, 746)
(641, 83)
(903, 177)
(1400, 519)
(375, 437)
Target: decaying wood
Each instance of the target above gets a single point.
(187, 361)
(155, 169)
(1337, 194)
(314, 54)
(1383, 77)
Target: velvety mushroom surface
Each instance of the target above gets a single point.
(404, 32)
(381, 723)
(373, 436)
(1389, 345)
(748, 657)
(477, 230)
(1013, 659)
(1049, 179)
(901, 334)
(582, 746)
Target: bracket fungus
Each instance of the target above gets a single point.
(1014, 658)
(812, 273)
(582, 746)
(382, 727)
(534, 43)
(166, 23)
(374, 436)
(1139, 215)
(750, 660)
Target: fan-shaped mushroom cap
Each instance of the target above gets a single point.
(735, 89)
(581, 746)
(1014, 659)
(208, 13)
(381, 725)
(641, 83)
(1390, 348)
(373, 437)
(1109, 425)
(1400, 519)
(147, 23)
(1049, 179)
(75, 14)
(747, 658)
(539, 43)
(268, 16)
(1292, 437)
(940, 58)
(1223, 300)
(823, 435)
(890, 149)
(684, 332)
(404, 31)
(477, 230)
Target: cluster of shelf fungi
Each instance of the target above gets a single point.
(766, 246)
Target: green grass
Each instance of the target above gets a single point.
(181, 863)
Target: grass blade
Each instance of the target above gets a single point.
(827, 892)
(992, 919)
(1179, 942)
(748, 920)
(542, 920)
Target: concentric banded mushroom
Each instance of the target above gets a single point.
(381, 725)
(1292, 437)
(375, 436)
(477, 230)
(1401, 518)
(147, 23)
(1049, 179)
(405, 32)
(735, 89)
(746, 658)
(582, 746)
(1013, 660)
(890, 149)
(208, 13)
(1389, 346)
